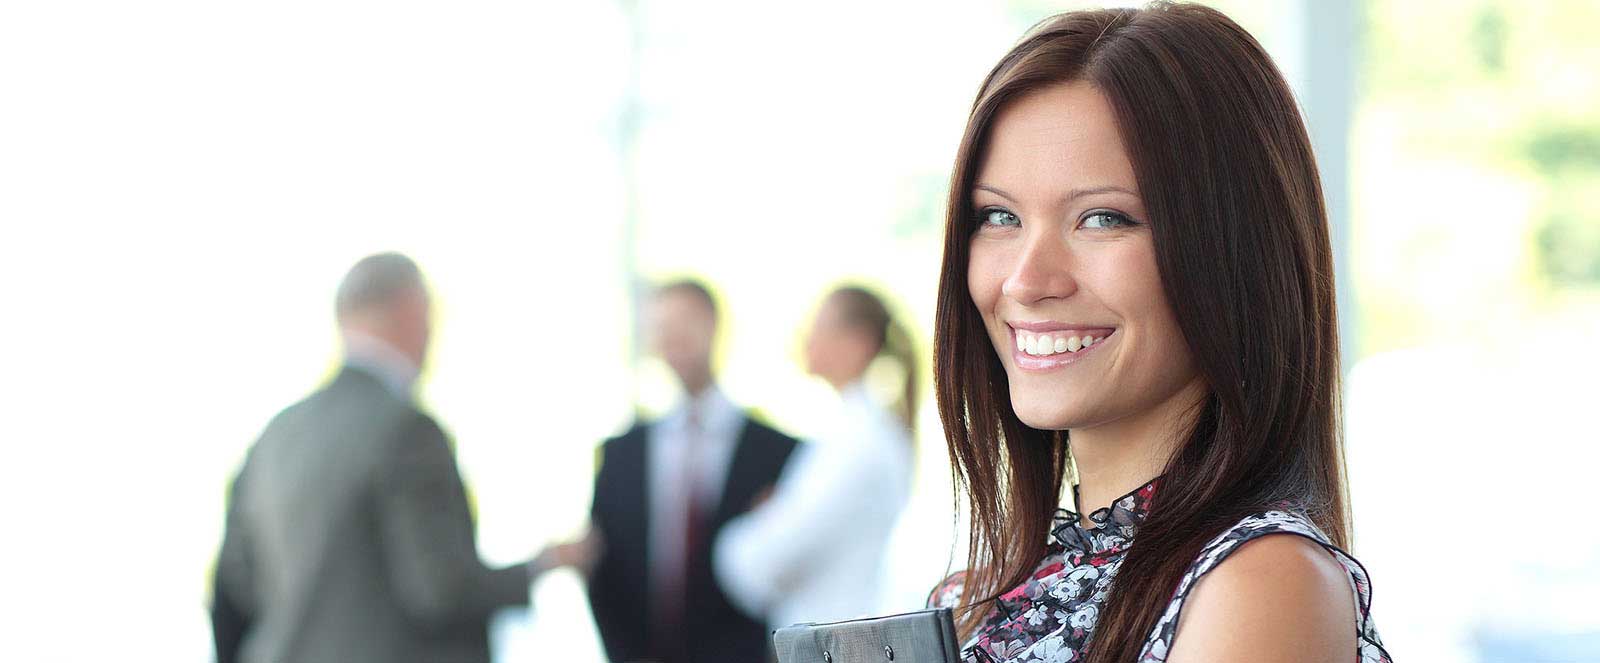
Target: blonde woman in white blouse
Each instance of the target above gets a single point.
(814, 551)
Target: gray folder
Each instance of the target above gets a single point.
(928, 636)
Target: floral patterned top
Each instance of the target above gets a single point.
(1051, 616)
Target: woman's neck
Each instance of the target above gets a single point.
(1118, 457)
(841, 382)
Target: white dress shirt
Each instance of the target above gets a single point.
(815, 551)
(670, 450)
(392, 367)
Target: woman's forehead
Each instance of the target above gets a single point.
(1054, 140)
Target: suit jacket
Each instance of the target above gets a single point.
(349, 540)
(620, 587)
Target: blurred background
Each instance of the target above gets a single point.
(182, 184)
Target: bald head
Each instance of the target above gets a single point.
(383, 296)
(374, 282)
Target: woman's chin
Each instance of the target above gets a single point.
(1044, 416)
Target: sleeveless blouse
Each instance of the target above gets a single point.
(1051, 616)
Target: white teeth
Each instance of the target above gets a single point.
(1040, 345)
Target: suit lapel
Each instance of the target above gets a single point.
(738, 487)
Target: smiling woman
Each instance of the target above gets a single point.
(1080, 267)
(1137, 310)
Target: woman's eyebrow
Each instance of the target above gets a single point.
(996, 191)
(1071, 195)
(1089, 191)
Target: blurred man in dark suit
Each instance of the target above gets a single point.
(349, 537)
(664, 490)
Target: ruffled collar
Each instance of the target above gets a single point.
(1113, 528)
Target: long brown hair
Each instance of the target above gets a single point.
(867, 312)
(1226, 173)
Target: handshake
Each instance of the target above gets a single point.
(580, 555)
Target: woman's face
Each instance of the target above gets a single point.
(835, 351)
(1063, 268)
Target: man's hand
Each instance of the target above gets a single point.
(580, 555)
(762, 497)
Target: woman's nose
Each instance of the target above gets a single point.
(1043, 270)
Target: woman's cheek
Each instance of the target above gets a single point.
(985, 276)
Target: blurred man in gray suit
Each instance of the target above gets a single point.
(349, 538)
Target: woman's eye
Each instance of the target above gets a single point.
(1105, 220)
(994, 216)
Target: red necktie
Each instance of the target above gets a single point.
(694, 525)
(673, 600)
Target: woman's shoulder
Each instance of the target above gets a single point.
(1278, 573)
(947, 594)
